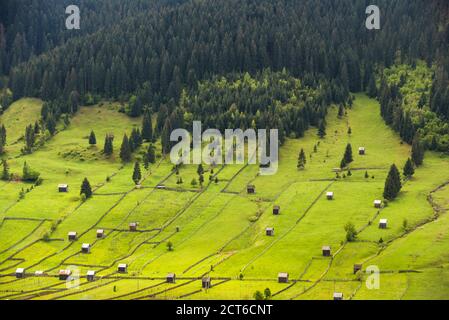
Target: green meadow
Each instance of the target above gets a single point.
(218, 230)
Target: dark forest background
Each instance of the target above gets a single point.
(148, 53)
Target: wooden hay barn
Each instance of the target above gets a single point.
(171, 278)
(269, 232)
(283, 277)
(100, 233)
(133, 226)
(72, 235)
(377, 204)
(20, 273)
(90, 275)
(206, 283)
(338, 296)
(326, 251)
(85, 248)
(64, 274)
(383, 224)
(357, 268)
(362, 151)
(63, 188)
(251, 189)
(276, 210)
(330, 195)
(122, 268)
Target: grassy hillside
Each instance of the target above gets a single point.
(219, 230)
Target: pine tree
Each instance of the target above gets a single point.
(125, 150)
(200, 169)
(347, 157)
(108, 145)
(372, 89)
(151, 154)
(86, 189)
(322, 130)
(392, 184)
(29, 175)
(302, 159)
(137, 174)
(348, 154)
(92, 138)
(29, 139)
(5, 171)
(147, 127)
(349, 131)
(51, 124)
(409, 169)
(417, 151)
(2, 139)
(341, 111)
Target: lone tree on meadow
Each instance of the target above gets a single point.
(347, 157)
(108, 146)
(351, 232)
(86, 189)
(392, 184)
(417, 151)
(322, 129)
(92, 138)
(137, 174)
(125, 149)
(409, 169)
(302, 159)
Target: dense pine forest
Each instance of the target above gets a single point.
(132, 48)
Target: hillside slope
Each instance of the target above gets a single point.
(219, 230)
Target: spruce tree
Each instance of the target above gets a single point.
(5, 171)
(92, 138)
(86, 189)
(392, 184)
(137, 174)
(51, 124)
(2, 139)
(108, 145)
(322, 130)
(341, 111)
(125, 150)
(151, 154)
(29, 139)
(347, 157)
(417, 151)
(409, 169)
(302, 159)
(147, 127)
(348, 154)
(200, 169)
